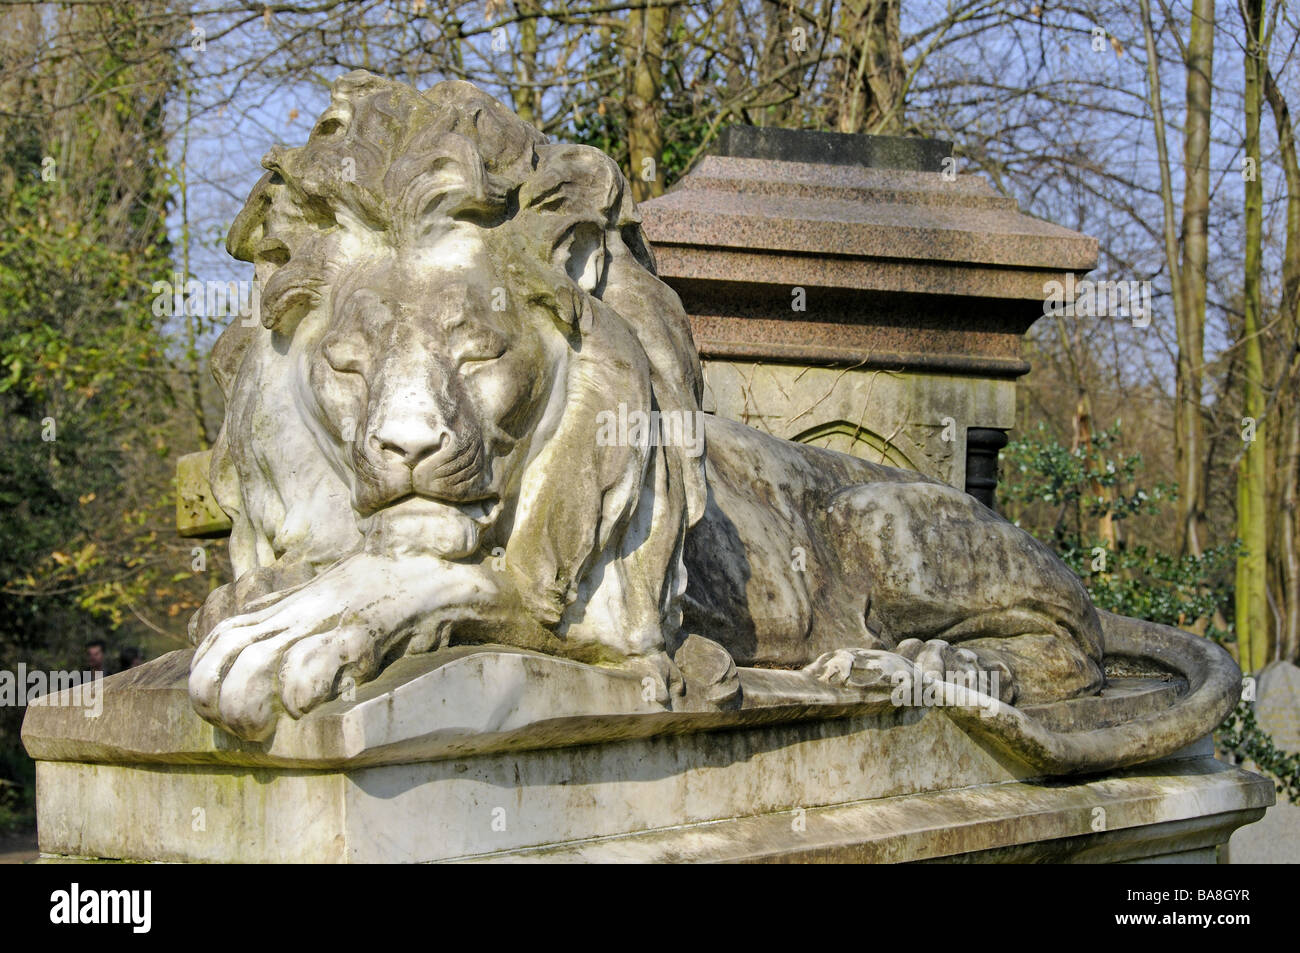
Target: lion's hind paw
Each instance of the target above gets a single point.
(860, 668)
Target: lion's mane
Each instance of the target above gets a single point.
(598, 531)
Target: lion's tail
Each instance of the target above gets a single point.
(1213, 687)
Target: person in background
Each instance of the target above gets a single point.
(96, 651)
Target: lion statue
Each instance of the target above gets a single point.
(418, 452)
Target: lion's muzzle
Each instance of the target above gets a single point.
(416, 454)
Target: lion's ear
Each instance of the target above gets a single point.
(572, 180)
(569, 204)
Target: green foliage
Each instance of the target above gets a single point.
(1037, 468)
(86, 406)
(1056, 493)
(605, 128)
(83, 394)
(686, 128)
(1241, 736)
(53, 269)
(1063, 496)
(688, 115)
(17, 793)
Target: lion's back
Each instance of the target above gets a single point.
(762, 569)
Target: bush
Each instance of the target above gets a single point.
(1063, 497)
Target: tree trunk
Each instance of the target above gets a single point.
(525, 93)
(778, 54)
(1254, 633)
(869, 72)
(1073, 347)
(1285, 554)
(1191, 458)
(643, 42)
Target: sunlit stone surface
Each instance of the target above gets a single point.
(501, 586)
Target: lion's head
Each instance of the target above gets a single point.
(448, 303)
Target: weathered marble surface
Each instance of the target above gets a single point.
(484, 753)
(693, 800)
(914, 421)
(475, 700)
(417, 454)
(472, 620)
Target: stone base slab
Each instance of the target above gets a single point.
(488, 755)
(566, 806)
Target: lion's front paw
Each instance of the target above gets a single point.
(308, 645)
(286, 658)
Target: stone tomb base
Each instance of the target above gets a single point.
(487, 754)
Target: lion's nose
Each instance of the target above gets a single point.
(408, 440)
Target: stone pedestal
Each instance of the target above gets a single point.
(855, 292)
(488, 754)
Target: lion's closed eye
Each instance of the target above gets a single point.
(482, 354)
(480, 348)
